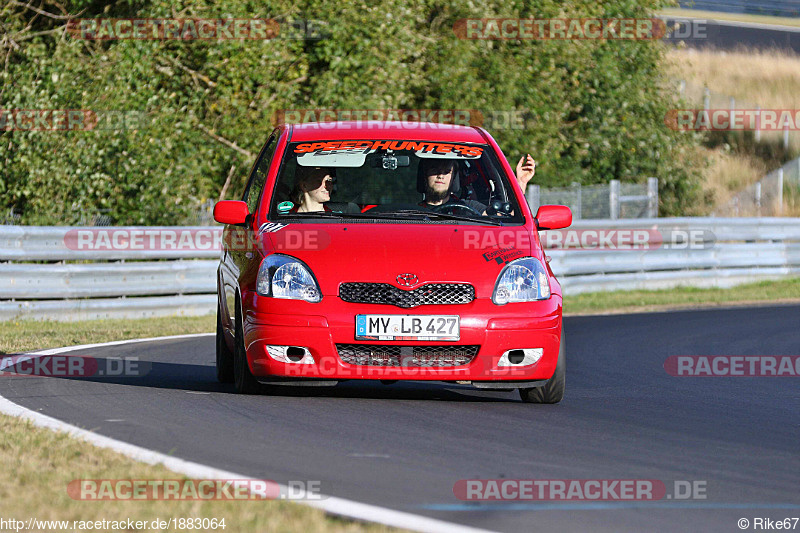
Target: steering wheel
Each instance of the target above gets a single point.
(450, 207)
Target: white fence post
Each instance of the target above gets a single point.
(533, 197)
(613, 199)
(652, 197)
(758, 197)
(578, 213)
(786, 135)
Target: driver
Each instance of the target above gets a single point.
(441, 184)
(438, 176)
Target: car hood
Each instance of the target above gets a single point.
(379, 253)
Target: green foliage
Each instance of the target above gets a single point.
(594, 108)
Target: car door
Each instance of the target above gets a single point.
(239, 260)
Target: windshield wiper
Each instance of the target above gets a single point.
(446, 216)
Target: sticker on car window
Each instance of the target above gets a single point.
(285, 207)
(421, 148)
(271, 227)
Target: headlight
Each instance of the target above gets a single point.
(281, 276)
(522, 280)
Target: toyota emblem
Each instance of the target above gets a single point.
(407, 280)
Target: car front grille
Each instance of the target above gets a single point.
(430, 294)
(406, 356)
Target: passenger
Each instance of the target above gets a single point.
(313, 186)
(526, 168)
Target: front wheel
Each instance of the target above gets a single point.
(244, 381)
(224, 355)
(553, 390)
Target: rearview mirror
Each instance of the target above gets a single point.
(231, 212)
(553, 217)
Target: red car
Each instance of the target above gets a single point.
(387, 251)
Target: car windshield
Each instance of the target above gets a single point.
(388, 179)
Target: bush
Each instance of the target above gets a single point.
(594, 109)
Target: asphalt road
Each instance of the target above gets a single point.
(404, 446)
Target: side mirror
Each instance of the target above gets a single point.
(553, 217)
(231, 212)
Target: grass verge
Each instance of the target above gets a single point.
(38, 464)
(26, 335)
(763, 292)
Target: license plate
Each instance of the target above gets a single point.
(408, 327)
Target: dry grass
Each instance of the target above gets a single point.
(728, 173)
(762, 292)
(767, 79)
(27, 335)
(791, 203)
(37, 465)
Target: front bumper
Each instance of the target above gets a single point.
(320, 327)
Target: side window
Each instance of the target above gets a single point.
(259, 176)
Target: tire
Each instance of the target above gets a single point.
(224, 354)
(243, 380)
(553, 390)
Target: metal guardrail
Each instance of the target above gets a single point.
(712, 252)
(53, 243)
(126, 283)
(95, 280)
(95, 308)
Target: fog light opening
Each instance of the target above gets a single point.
(521, 357)
(290, 354)
(516, 357)
(295, 354)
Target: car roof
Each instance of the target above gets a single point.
(374, 130)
